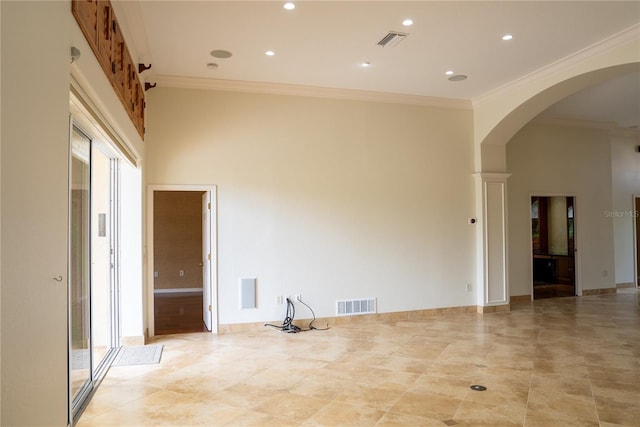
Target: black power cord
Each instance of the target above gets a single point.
(311, 327)
(287, 324)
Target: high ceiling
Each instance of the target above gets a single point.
(325, 43)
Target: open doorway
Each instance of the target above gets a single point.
(553, 246)
(636, 203)
(182, 264)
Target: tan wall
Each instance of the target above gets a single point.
(177, 240)
(625, 171)
(36, 70)
(560, 160)
(35, 204)
(331, 199)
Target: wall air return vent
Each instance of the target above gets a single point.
(392, 39)
(355, 306)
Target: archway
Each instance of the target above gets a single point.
(499, 116)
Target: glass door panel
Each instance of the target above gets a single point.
(93, 302)
(80, 267)
(101, 257)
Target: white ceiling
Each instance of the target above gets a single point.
(323, 43)
(614, 101)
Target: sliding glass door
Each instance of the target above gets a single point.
(103, 255)
(93, 261)
(80, 268)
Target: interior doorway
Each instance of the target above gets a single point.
(636, 215)
(182, 267)
(553, 246)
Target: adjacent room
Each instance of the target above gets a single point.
(434, 204)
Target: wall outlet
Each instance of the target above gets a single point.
(181, 273)
(605, 273)
(469, 287)
(279, 299)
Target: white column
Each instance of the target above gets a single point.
(491, 243)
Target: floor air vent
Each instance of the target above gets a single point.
(355, 306)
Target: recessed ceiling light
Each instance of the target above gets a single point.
(458, 78)
(289, 6)
(222, 54)
(212, 66)
(449, 73)
(507, 37)
(365, 64)
(407, 22)
(269, 53)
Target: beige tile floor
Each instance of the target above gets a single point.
(559, 362)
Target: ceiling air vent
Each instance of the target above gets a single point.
(392, 38)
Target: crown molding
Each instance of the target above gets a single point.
(310, 91)
(627, 133)
(575, 123)
(611, 127)
(626, 36)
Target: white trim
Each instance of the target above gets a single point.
(502, 188)
(635, 241)
(177, 291)
(151, 188)
(621, 38)
(92, 118)
(573, 123)
(484, 235)
(492, 176)
(311, 91)
(612, 127)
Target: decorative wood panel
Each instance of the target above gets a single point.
(103, 52)
(119, 54)
(101, 29)
(139, 106)
(129, 84)
(86, 13)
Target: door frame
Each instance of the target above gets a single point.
(635, 213)
(576, 239)
(212, 189)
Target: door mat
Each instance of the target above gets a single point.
(138, 355)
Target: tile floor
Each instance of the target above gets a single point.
(555, 362)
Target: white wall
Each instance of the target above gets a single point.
(557, 160)
(331, 199)
(0, 216)
(36, 40)
(35, 134)
(625, 170)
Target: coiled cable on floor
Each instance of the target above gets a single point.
(287, 324)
